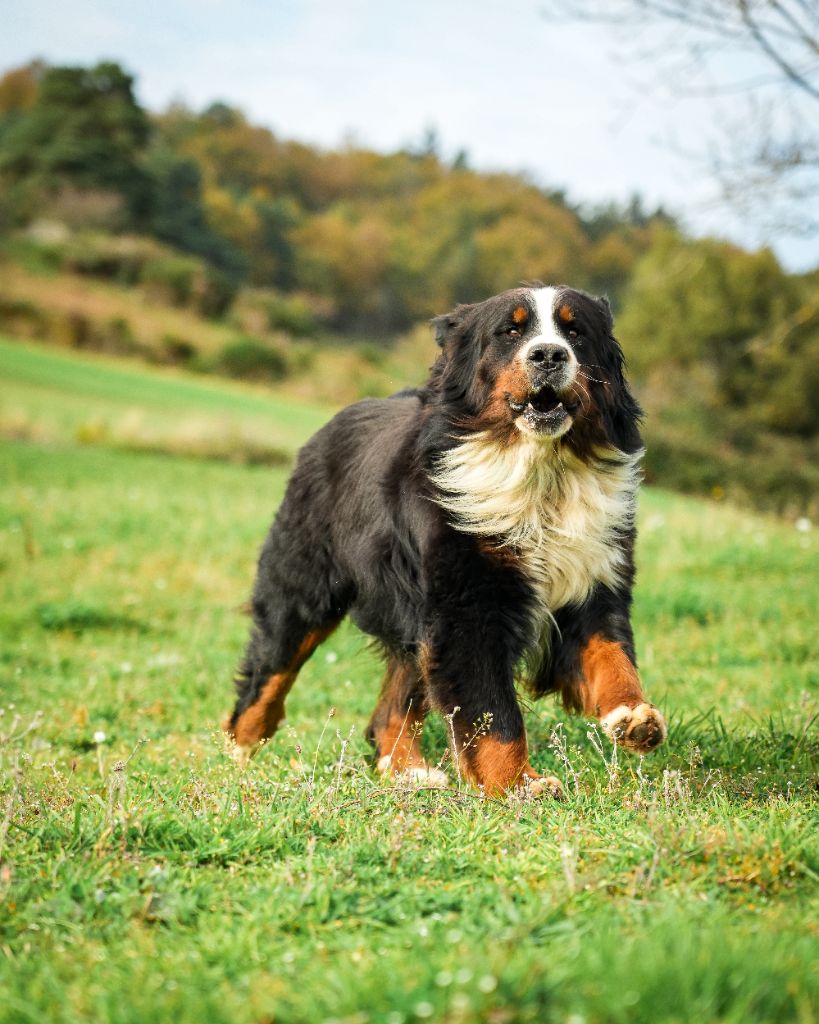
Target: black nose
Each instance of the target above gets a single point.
(546, 357)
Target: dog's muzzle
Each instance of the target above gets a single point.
(551, 369)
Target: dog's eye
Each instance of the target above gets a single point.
(572, 334)
(512, 332)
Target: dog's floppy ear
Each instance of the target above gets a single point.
(605, 306)
(444, 327)
(451, 325)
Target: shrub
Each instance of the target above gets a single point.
(293, 315)
(113, 258)
(214, 293)
(22, 319)
(171, 279)
(373, 355)
(188, 281)
(116, 337)
(251, 359)
(176, 350)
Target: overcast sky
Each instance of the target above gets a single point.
(498, 79)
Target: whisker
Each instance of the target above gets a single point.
(588, 376)
(579, 394)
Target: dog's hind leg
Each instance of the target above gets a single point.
(396, 724)
(279, 646)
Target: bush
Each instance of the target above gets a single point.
(214, 293)
(171, 279)
(251, 359)
(112, 258)
(293, 315)
(373, 355)
(22, 319)
(177, 351)
(117, 338)
(188, 281)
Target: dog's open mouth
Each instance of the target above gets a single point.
(544, 411)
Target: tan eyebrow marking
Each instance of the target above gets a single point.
(566, 313)
(520, 315)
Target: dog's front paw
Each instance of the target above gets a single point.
(639, 729)
(544, 786)
(240, 753)
(423, 778)
(421, 775)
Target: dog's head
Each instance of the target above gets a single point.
(536, 362)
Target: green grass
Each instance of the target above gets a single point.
(143, 878)
(51, 396)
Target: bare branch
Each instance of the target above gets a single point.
(764, 44)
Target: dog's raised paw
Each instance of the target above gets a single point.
(639, 729)
(545, 786)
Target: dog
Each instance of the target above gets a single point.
(481, 529)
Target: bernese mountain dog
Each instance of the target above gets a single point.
(481, 529)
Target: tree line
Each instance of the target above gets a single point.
(370, 243)
(379, 240)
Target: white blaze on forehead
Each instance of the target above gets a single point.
(544, 301)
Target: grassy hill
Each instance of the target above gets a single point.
(697, 443)
(143, 878)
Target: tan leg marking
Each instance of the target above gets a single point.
(260, 721)
(611, 691)
(398, 736)
(399, 740)
(499, 766)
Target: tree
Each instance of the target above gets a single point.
(700, 305)
(85, 130)
(18, 88)
(770, 164)
(177, 214)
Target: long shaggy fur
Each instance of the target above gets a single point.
(462, 523)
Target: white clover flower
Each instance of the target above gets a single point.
(99, 736)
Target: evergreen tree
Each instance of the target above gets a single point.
(85, 129)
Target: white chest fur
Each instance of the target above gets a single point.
(558, 513)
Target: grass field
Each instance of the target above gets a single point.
(143, 878)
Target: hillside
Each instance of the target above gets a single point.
(697, 442)
(202, 240)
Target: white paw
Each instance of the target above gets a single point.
(545, 785)
(238, 752)
(639, 729)
(417, 775)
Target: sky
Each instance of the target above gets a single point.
(500, 79)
